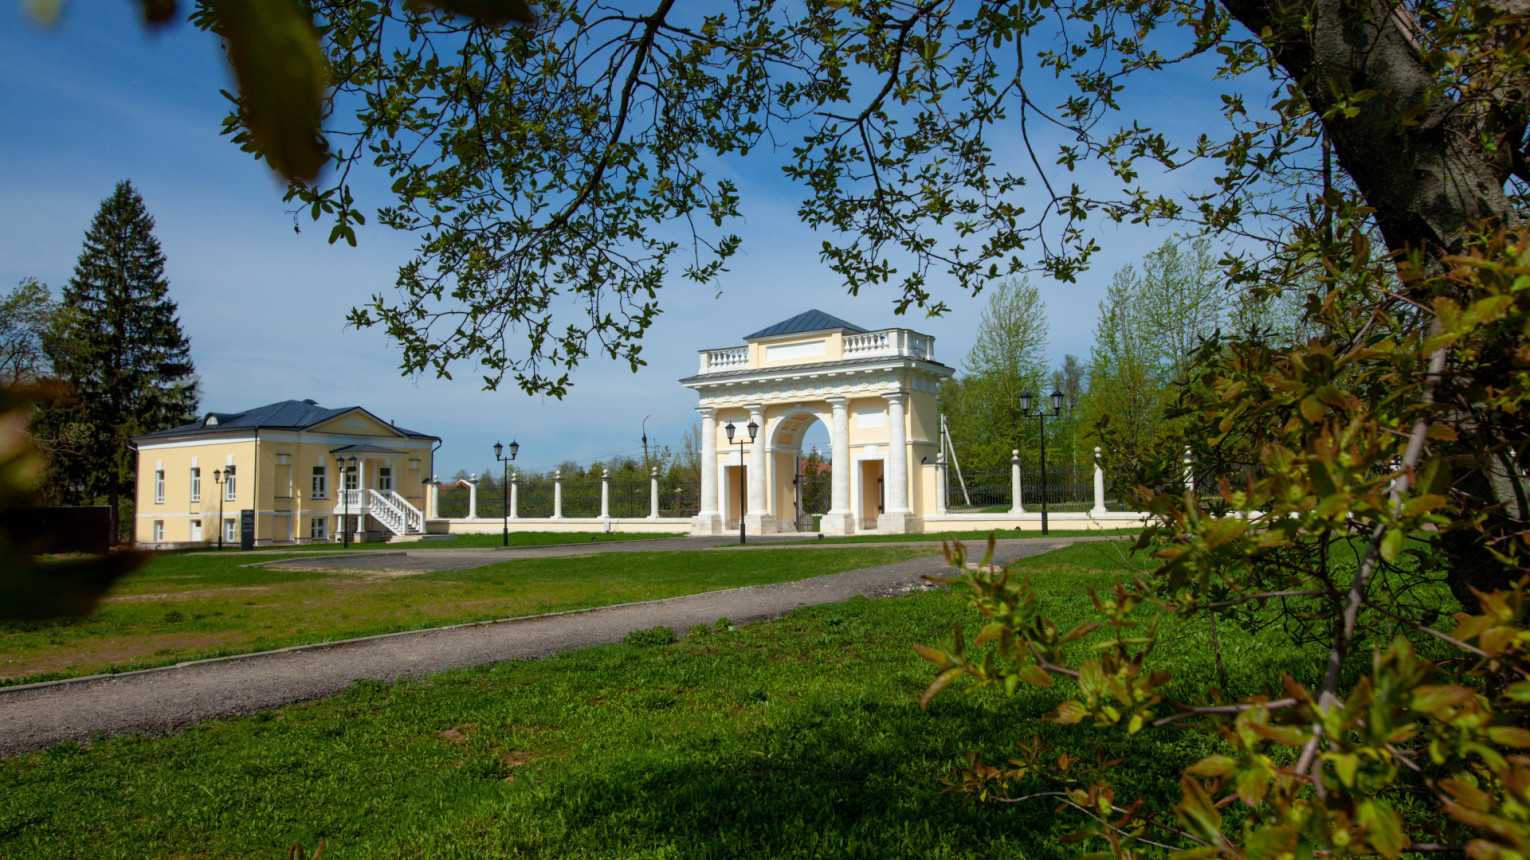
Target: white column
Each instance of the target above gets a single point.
(1099, 486)
(897, 457)
(756, 477)
(472, 497)
(515, 491)
(761, 519)
(605, 494)
(1015, 505)
(653, 493)
(941, 487)
(708, 520)
(557, 495)
(839, 519)
(432, 497)
(896, 518)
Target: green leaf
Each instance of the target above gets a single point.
(274, 51)
(1212, 765)
(1391, 544)
(937, 685)
(1384, 828)
(1068, 713)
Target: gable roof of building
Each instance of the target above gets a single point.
(286, 415)
(814, 320)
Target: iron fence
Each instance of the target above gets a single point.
(979, 491)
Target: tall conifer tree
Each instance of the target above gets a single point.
(121, 351)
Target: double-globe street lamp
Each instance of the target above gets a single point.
(1026, 399)
(753, 429)
(218, 476)
(347, 468)
(505, 486)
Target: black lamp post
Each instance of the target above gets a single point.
(753, 430)
(347, 468)
(505, 486)
(218, 477)
(1041, 415)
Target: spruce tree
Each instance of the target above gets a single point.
(120, 350)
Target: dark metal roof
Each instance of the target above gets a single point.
(814, 320)
(286, 415)
(797, 369)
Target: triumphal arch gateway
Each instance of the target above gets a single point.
(874, 391)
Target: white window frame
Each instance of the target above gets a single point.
(196, 531)
(159, 531)
(196, 483)
(385, 478)
(228, 488)
(320, 486)
(159, 486)
(353, 478)
(230, 530)
(318, 528)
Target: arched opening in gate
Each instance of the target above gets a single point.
(799, 452)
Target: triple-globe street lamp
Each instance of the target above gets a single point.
(1026, 398)
(753, 430)
(505, 485)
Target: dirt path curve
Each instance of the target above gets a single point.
(162, 701)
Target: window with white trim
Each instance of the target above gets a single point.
(228, 488)
(159, 530)
(320, 482)
(196, 531)
(196, 483)
(159, 486)
(318, 528)
(231, 529)
(385, 478)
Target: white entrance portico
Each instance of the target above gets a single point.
(874, 391)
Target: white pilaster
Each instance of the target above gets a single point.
(653, 493)
(605, 494)
(472, 497)
(558, 495)
(515, 492)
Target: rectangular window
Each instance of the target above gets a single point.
(317, 528)
(159, 530)
(231, 530)
(228, 488)
(196, 484)
(320, 482)
(196, 531)
(353, 478)
(159, 486)
(385, 478)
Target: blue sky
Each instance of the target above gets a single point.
(97, 99)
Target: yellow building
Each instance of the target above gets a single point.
(874, 391)
(279, 474)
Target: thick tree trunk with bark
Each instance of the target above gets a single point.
(1433, 164)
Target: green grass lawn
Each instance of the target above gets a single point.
(190, 606)
(976, 536)
(464, 542)
(797, 738)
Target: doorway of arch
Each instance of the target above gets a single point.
(800, 454)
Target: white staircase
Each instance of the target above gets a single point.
(395, 514)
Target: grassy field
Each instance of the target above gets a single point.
(466, 542)
(798, 738)
(972, 537)
(192, 606)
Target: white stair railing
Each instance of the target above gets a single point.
(414, 518)
(384, 511)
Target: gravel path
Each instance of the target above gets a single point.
(162, 701)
